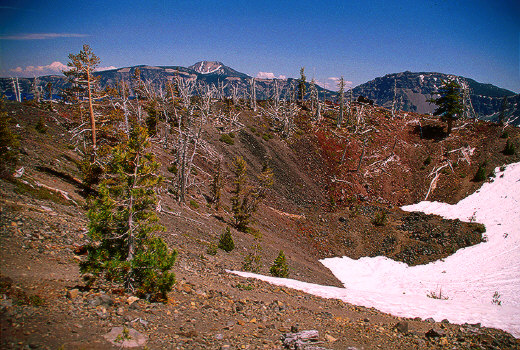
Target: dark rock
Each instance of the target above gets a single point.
(402, 327)
(102, 300)
(430, 320)
(435, 333)
(445, 321)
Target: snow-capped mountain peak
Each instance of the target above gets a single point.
(207, 67)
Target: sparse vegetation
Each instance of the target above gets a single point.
(212, 249)
(40, 126)
(496, 299)
(297, 207)
(217, 183)
(280, 267)
(226, 242)
(8, 144)
(244, 286)
(437, 295)
(481, 174)
(245, 199)
(509, 149)
(173, 169)
(193, 204)
(226, 138)
(380, 218)
(253, 259)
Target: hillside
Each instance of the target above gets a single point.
(330, 186)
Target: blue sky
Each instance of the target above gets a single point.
(359, 40)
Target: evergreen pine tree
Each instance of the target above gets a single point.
(450, 105)
(280, 267)
(83, 81)
(245, 199)
(240, 183)
(226, 242)
(123, 249)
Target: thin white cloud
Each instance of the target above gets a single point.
(269, 75)
(41, 36)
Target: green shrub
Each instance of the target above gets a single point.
(428, 160)
(227, 139)
(253, 129)
(480, 175)
(509, 150)
(212, 249)
(504, 135)
(8, 144)
(232, 135)
(253, 260)
(173, 169)
(267, 136)
(280, 267)
(194, 204)
(244, 286)
(226, 242)
(380, 219)
(40, 126)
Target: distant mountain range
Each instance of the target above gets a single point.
(412, 90)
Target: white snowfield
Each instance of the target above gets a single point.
(475, 280)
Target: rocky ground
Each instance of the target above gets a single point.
(45, 303)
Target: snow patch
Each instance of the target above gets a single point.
(207, 67)
(470, 279)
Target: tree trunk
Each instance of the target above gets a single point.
(91, 111)
(450, 126)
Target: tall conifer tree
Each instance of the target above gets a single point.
(450, 105)
(122, 221)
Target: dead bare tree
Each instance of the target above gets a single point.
(465, 155)
(341, 94)
(313, 95)
(362, 154)
(189, 133)
(234, 94)
(394, 99)
(469, 111)
(16, 89)
(282, 112)
(36, 89)
(252, 94)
